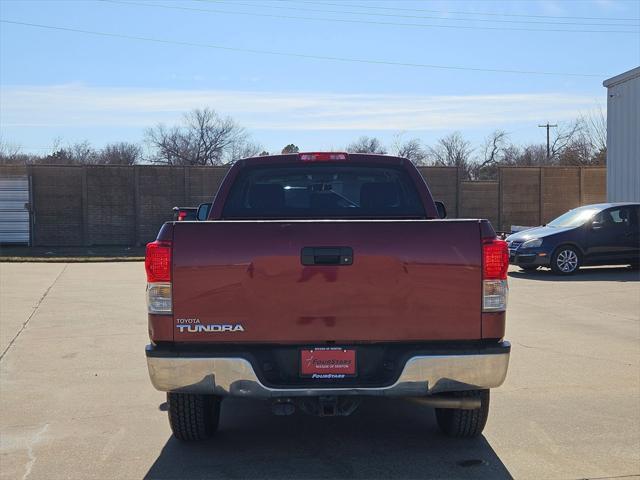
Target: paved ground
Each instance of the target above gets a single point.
(75, 400)
(22, 253)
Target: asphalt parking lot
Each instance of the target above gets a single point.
(76, 402)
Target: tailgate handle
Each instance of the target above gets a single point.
(326, 256)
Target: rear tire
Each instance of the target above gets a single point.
(565, 260)
(193, 416)
(459, 423)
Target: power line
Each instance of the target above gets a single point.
(430, 17)
(342, 20)
(465, 13)
(299, 55)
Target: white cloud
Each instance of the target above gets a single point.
(77, 105)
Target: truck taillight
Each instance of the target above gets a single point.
(322, 156)
(182, 215)
(159, 298)
(495, 263)
(495, 259)
(157, 263)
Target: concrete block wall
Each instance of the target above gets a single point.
(480, 200)
(109, 204)
(535, 195)
(519, 197)
(594, 185)
(159, 189)
(57, 217)
(444, 184)
(560, 190)
(126, 205)
(203, 183)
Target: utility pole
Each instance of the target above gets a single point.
(547, 126)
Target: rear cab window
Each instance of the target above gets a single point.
(327, 190)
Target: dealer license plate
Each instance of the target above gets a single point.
(327, 362)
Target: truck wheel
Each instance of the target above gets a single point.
(193, 416)
(459, 423)
(565, 260)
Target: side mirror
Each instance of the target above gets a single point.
(203, 212)
(442, 211)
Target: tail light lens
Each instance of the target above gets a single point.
(494, 295)
(322, 156)
(182, 215)
(495, 263)
(159, 298)
(495, 259)
(157, 263)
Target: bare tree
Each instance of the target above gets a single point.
(202, 139)
(10, 153)
(492, 154)
(241, 149)
(493, 147)
(582, 142)
(578, 152)
(80, 153)
(83, 153)
(532, 155)
(121, 153)
(366, 145)
(565, 135)
(291, 148)
(596, 127)
(61, 156)
(452, 151)
(410, 149)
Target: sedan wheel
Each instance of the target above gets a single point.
(565, 261)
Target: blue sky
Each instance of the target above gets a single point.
(79, 86)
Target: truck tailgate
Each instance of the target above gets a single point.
(409, 280)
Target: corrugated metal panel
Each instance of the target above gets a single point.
(14, 216)
(623, 139)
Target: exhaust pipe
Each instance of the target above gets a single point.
(463, 403)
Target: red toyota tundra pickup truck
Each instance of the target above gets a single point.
(319, 279)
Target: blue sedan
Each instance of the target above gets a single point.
(601, 234)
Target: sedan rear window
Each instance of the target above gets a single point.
(323, 191)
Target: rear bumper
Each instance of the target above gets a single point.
(421, 375)
(538, 258)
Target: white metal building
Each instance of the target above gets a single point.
(14, 212)
(623, 137)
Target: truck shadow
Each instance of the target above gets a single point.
(586, 274)
(384, 438)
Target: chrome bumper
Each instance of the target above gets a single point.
(422, 375)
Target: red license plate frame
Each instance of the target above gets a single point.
(328, 363)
